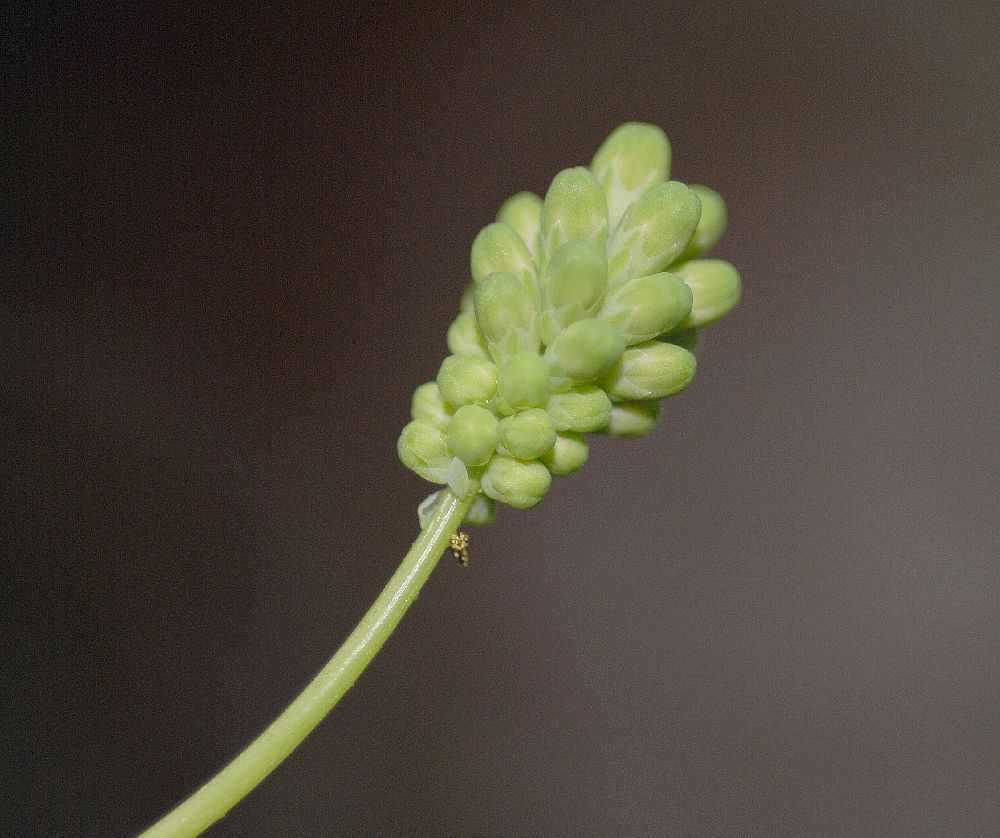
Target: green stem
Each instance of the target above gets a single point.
(265, 753)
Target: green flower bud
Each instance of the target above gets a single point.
(428, 405)
(527, 435)
(632, 160)
(647, 306)
(654, 231)
(711, 225)
(483, 510)
(651, 370)
(523, 212)
(498, 247)
(521, 485)
(568, 454)
(466, 304)
(424, 449)
(523, 383)
(715, 286)
(574, 208)
(633, 418)
(464, 337)
(473, 434)
(583, 409)
(584, 351)
(688, 338)
(575, 279)
(464, 380)
(507, 315)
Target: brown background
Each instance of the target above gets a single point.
(237, 242)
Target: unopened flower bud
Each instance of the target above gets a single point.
(473, 434)
(569, 454)
(647, 306)
(519, 484)
(654, 231)
(427, 404)
(632, 160)
(715, 286)
(424, 449)
(523, 383)
(464, 380)
(464, 337)
(498, 247)
(583, 409)
(507, 316)
(711, 225)
(633, 418)
(574, 282)
(523, 212)
(651, 370)
(527, 435)
(574, 208)
(584, 351)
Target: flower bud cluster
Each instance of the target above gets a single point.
(583, 312)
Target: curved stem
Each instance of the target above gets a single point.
(236, 780)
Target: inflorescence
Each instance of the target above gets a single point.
(583, 312)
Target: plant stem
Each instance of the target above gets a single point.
(265, 753)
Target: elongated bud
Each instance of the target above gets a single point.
(464, 380)
(569, 454)
(424, 449)
(464, 337)
(711, 225)
(574, 208)
(499, 248)
(653, 232)
(527, 435)
(651, 370)
(523, 383)
(522, 485)
(715, 286)
(633, 418)
(427, 404)
(507, 316)
(584, 351)
(473, 434)
(583, 409)
(523, 212)
(575, 279)
(632, 160)
(647, 306)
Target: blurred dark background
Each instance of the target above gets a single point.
(235, 242)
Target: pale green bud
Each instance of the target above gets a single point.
(583, 409)
(633, 418)
(507, 315)
(715, 286)
(711, 225)
(466, 304)
(523, 383)
(473, 434)
(568, 455)
(427, 404)
(653, 232)
(651, 370)
(523, 212)
(647, 306)
(464, 380)
(574, 208)
(583, 351)
(527, 435)
(686, 337)
(575, 279)
(499, 248)
(423, 448)
(519, 484)
(483, 510)
(464, 337)
(632, 160)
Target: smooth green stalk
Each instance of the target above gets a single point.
(264, 754)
